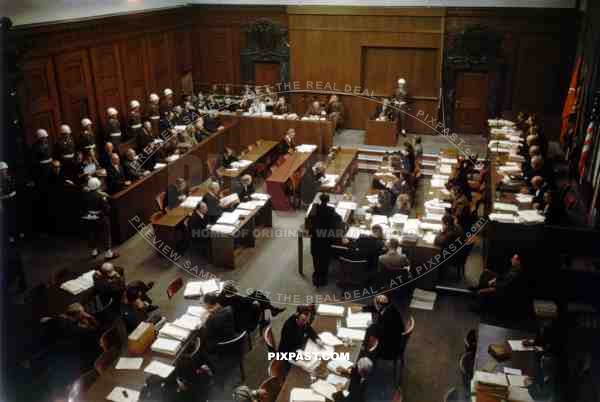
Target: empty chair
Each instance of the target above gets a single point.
(352, 272)
(234, 351)
(269, 339)
(276, 369)
(174, 287)
(465, 366)
(470, 340)
(115, 337)
(271, 386)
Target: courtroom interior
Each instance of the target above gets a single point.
(300, 201)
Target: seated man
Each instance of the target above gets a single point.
(492, 285)
(134, 309)
(131, 169)
(392, 259)
(176, 193)
(115, 176)
(212, 200)
(315, 109)
(220, 325)
(109, 283)
(296, 331)
(243, 393)
(245, 188)
(199, 132)
(281, 107)
(384, 111)
(335, 111)
(310, 182)
(288, 143)
(449, 235)
(387, 326)
(228, 157)
(106, 154)
(358, 382)
(384, 204)
(538, 189)
(371, 247)
(80, 332)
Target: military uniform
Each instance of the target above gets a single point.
(153, 110)
(65, 152)
(41, 159)
(135, 123)
(281, 108)
(114, 131)
(335, 111)
(88, 139)
(96, 216)
(8, 205)
(312, 111)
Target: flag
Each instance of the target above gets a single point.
(586, 149)
(570, 102)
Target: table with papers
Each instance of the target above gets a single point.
(297, 385)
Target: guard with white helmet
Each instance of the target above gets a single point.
(168, 102)
(97, 219)
(399, 101)
(65, 148)
(41, 152)
(113, 127)
(134, 119)
(88, 138)
(153, 112)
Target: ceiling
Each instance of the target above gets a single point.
(27, 12)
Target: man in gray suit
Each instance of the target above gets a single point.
(392, 259)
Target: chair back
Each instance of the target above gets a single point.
(234, 345)
(276, 369)
(271, 386)
(451, 395)
(160, 200)
(410, 327)
(471, 340)
(78, 389)
(211, 164)
(466, 362)
(106, 360)
(352, 272)
(397, 396)
(269, 339)
(174, 287)
(114, 337)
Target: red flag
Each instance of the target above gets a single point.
(586, 149)
(570, 101)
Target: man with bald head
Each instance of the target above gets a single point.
(245, 188)
(116, 178)
(212, 201)
(539, 188)
(132, 170)
(176, 193)
(387, 326)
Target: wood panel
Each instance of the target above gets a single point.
(106, 68)
(218, 56)
(161, 62)
(135, 69)
(75, 88)
(39, 98)
(470, 109)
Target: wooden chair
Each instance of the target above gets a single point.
(160, 200)
(271, 386)
(106, 360)
(269, 339)
(397, 396)
(352, 272)
(174, 287)
(466, 362)
(276, 369)
(78, 389)
(114, 337)
(470, 340)
(235, 349)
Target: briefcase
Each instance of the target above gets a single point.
(141, 338)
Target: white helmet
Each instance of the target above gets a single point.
(65, 129)
(401, 81)
(41, 133)
(93, 184)
(168, 92)
(111, 111)
(3, 165)
(133, 104)
(86, 122)
(154, 97)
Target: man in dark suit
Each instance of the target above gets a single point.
(538, 188)
(387, 326)
(296, 331)
(220, 325)
(106, 154)
(131, 169)
(288, 143)
(311, 182)
(323, 224)
(245, 188)
(358, 382)
(197, 226)
(176, 193)
(383, 111)
(115, 176)
(213, 202)
(371, 247)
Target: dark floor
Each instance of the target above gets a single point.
(432, 354)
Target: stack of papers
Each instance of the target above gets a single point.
(330, 339)
(193, 289)
(172, 158)
(171, 331)
(531, 216)
(249, 205)
(228, 218)
(505, 218)
(379, 220)
(306, 148)
(524, 198)
(324, 388)
(335, 379)
(518, 394)
(160, 369)
(410, 232)
(129, 363)
(198, 311)
(349, 205)
(121, 394)
(436, 206)
(191, 202)
(493, 385)
(397, 221)
(330, 310)
(159, 165)
(516, 345)
(188, 322)
(166, 346)
(429, 237)
(229, 200)
(241, 164)
(305, 395)
(434, 227)
(373, 199)
(358, 320)
(224, 229)
(307, 365)
(437, 183)
(503, 206)
(80, 284)
(314, 349)
(330, 180)
(333, 365)
(423, 300)
(260, 196)
(351, 333)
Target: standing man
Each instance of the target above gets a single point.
(65, 151)
(153, 112)
(323, 223)
(87, 138)
(114, 127)
(400, 99)
(97, 210)
(335, 112)
(168, 102)
(135, 119)
(41, 155)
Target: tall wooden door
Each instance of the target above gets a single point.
(266, 73)
(470, 106)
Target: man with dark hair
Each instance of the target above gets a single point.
(323, 223)
(387, 326)
(296, 331)
(176, 193)
(220, 325)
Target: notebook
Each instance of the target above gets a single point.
(350, 333)
(166, 346)
(160, 369)
(358, 320)
(330, 339)
(129, 363)
(121, 394)
(174, 332)
(188, 322)
(305, 395)
(193, 289)
(198, 311)
(324, 388)
(330, 310)
(333, 365)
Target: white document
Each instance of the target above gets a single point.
(306, 148)
(517, 380)
(333, 365)
(330, 339)
(314, 349)
(516, 345)
(424, 295)
(191, 202)
(513, 371)
(225, 229)
(491, 378)
(159, 165)
(502, 206)
(422, 305)
(129, 363)
(331, 310)
(324, 388)
(193, 289)
(358, 320)
(160, 369)
(172, 158)
(198, 311)
(188, 322)
(335, 379)
(307, 365)
(211, 286)
(121, 394)
(446, 169)
(228, 218)
(429, 237)
(260, 196)
(167, 346)
(229, 200)
(350, 205)
(305, 395)
(180, 127)
(350, 333)
(518, 394)
(379, 220)
(247, 206)
(174, 332)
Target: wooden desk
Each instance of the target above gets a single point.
(344, 165)
(384, 133)
(258, 152)
(275, 184)
(488, 334)
(297, 377)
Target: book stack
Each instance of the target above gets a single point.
(490, 386)
(423, 300)
(330, 310)
(358, 320)
(79, 284)
(169, 347)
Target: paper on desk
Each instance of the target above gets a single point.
(312, 348)
(330, 339)
(229, 200)
(324, 388)
(189, 322)
(358, 320)
(191, 201)
(160, 369)
(260, 196)
(503, 206)
(248, 205)
(331, 310)
(335, 379)
(305, 395)
(193, 289)
(429, 237)
(333, 365)
(228, 218)
(159, 165)
(352, 334)
(513, 371)
(118, 395)
(198, 311)
(172, 158)
(350, 205)
(225, 229)
(518, 380)
(516, 345)
(129, 363)
(518, 394)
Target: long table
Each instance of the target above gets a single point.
(275, 184)
(344, 165)
(383, 133)
(297, 377)
(259, 152)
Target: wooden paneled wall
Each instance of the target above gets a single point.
(78, 69)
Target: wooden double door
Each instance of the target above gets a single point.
(471, 102)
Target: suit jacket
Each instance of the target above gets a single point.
(244, 192)
(369, 248)
(131, 171)
(227, 160)
(172, 198)
(388, 327)
(393, 260)
(323, 222)
(312, 111)
(356, 389)
(214, 207)
(219, 327)
(285, 146)
(197, 224)
(115, 179)
(281, 109)
(294, 337)
(389, 113)
(104, 160)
